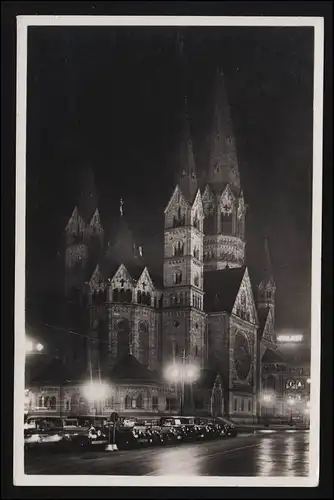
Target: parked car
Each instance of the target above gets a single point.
(229, 426)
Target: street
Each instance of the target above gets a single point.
(268, 453)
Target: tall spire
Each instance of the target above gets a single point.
(267, 270)
(187, 179)
(88, 198)
(223, 164)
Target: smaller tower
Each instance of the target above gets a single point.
(267, 288)
(84, 236)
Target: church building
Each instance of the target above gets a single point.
(192, 339)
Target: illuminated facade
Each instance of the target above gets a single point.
(203, 311)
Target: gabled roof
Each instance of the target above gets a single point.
(129, 368)
(221, 289)
(263, 316)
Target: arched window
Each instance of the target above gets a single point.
(41, 402)
(196, 351)
(226, 223)
(181, 298)
(128, 295)
(123, 337)
(148, 299)
(53, 403)
(68, 404)
(139, 296)
(140, 401)
(127, 402)
(115, 295)
(177, 277)
(196, 253)
(122, 295)
(143, 331)
(196, 280)
(178, 249)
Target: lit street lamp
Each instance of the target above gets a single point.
(308, 380)
(31, 347)
(96, 392)
(181, 373)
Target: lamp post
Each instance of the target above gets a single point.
(181, 373)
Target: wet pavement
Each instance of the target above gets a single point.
(265, 454)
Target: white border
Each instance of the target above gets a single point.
(21, 479)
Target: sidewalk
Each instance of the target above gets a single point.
(253, 428)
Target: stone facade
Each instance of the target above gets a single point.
(160, 322)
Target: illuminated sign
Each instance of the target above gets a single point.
(290, 338)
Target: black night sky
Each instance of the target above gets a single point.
(111, 98)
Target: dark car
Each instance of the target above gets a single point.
(229, 426)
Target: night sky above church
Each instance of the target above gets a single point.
(111, 98)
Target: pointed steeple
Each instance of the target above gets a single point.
(187, 179)
(223, 163)
(267, 270)
(123, 248)
(88, 198)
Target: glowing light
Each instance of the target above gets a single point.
(191, 373)
(175, 373)
(290, 338)
(39, 347)
(267, 398)
(96, 391)
(308, 404)
(29, 346)
(291, 401)
(172, 373)
(307, 411)
(308, 380)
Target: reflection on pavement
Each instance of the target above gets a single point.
(178, 462)
(265, 457)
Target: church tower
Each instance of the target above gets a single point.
(223, 201)
(266, 289)
(84, 237)
(183, 317)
